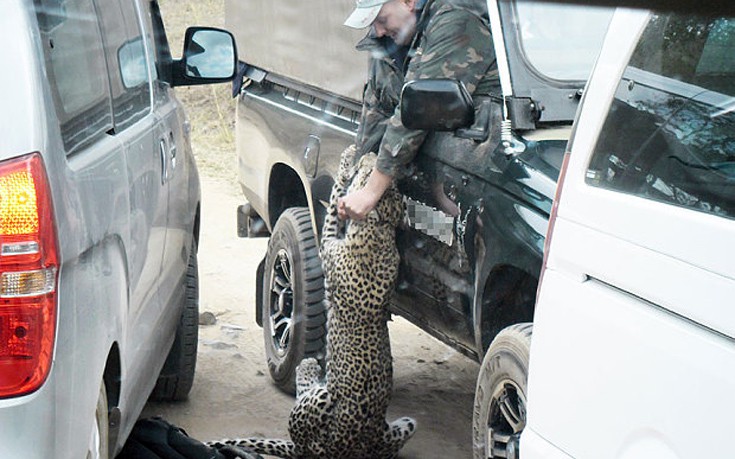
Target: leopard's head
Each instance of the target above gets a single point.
(346, 162)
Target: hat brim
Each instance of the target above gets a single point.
(363, 17)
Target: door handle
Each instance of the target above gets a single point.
(311, 155)
(168, 150)
(164, 160)
(172, 151)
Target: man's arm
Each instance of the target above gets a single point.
(381, 95)
(456, 44)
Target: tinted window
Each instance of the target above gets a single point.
(76, 69)
(670, 133)
(126, 60)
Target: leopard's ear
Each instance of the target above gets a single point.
(346, 164)
(396, 206)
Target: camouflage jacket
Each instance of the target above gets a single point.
(452, 41)
(382, 90)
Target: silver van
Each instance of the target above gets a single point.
(99, 220)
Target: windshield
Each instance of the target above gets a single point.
(561, 53)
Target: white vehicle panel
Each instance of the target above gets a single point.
(534, 445)
(651, 384)
(693, 251)
(642, 248)
(633, 351)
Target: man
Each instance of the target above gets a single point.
(445, 39)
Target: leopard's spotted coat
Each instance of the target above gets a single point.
(345, 417)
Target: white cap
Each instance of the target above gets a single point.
(365, 13)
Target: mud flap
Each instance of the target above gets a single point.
(259, 276)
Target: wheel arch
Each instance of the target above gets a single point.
(504, 283)
(283, 192)
(507, 297)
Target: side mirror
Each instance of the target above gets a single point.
(436, 105)
(210, 56)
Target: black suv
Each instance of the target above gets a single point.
(462, 279)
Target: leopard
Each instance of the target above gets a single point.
(343, 415)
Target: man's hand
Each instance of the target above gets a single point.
(358, 204)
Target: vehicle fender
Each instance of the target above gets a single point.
(502, 280)
(92, 309)
(287, 187)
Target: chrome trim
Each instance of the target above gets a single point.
(318, 121)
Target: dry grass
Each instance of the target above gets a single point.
(211, 108)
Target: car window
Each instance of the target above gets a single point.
(75, 64)
(126, 61)
(161, 52)
(670, 132)
(566, 53)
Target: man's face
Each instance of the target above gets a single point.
(397, 21)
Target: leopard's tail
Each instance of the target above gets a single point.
(284, 449)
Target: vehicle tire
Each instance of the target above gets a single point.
(99, 440)
(177, 375)
(500, 397)
(294, 317)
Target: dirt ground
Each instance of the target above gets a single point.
(233, 394)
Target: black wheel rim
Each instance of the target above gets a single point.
(281, 303)
(506, 420)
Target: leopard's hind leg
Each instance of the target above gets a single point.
(396, 434)
(308, 375)
(308, 423)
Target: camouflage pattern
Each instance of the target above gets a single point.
(452, 41)
(382, 91)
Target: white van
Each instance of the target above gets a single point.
(633, 351)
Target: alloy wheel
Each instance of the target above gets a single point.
(506, 421)
(281, 302)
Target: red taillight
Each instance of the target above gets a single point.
(552, 217)
(28, 267)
